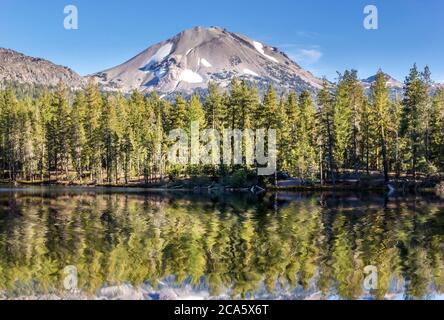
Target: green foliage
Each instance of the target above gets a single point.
(380, 107)
(327, 130)
(93, 137)
(229, 244)
(240, 179)
(412, 124)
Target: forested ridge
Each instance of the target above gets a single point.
(89, 136)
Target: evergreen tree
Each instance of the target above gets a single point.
(9, 135)
(342, 120)
(428, 106)
(234, 105)
(61, 117)
(77, 134)
(214, 109)
(94, 102)
(367, 134)
(412, 124)
(394, 139)
(437, 130)
(268, 115)
(289, 140)
(305, 149)
(381, 104)
(195, 113)
(178, 116)
(108, 138)
(43, 106)
(349, 98)
(327, 129)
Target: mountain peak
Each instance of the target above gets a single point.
(20, 68)
(390, 81)
(194, 57)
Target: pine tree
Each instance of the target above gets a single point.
(9, 132)
(94, 102)
(412, 125)
(268, 114)
(289, 141)
(367, 136)
(139, 119)
(178, 115)
(214, 109)
(327, 128)
(428, 105)
(394, 139)
(77, 134)
(381, 104)
(305, 149)
(43, 118)
(126, 137)
(234, 105)
(195, 112)
(437, 129)
(26, 153)
(247, 106)
(36, 115)
(348, 103)
(342, 120)
(107, 137)
(252, 104)
(59, 125)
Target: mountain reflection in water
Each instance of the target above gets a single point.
(278, 246)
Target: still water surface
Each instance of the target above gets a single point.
(146, 245)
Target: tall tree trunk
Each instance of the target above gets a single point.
(330, 153)
(384, 156)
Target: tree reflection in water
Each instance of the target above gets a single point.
(289, 245)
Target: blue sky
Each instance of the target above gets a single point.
(323, 36)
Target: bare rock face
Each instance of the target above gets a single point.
(19, 68)
(191, 59)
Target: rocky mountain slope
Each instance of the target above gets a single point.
(192, 58)
(391, 82)
(395, 87)
(182, 64)
(19, 68)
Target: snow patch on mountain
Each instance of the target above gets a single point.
(190, 76)
(161, 54)
(251, 73)
(260, 48)
(205, 63)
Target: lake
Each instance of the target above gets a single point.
(133, 244)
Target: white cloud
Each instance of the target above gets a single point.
(306, 56)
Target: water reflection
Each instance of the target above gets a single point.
(290, 246)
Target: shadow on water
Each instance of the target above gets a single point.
(173, 245)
